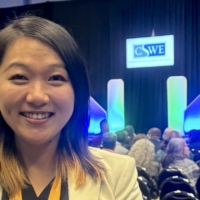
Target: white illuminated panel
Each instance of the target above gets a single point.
(115, 105)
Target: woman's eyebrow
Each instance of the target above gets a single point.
(25, 67)
(16, 65)
(57, 66)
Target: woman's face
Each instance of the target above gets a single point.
(36, 95)
(186, 150)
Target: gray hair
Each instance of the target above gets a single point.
(143, 151)
(176, 146)
(175, 150)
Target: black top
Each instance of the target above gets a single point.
(156, 143)
(29, 193)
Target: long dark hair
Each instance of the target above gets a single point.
(72, 147)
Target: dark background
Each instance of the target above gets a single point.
(101, 28)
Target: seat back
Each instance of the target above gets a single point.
(179, 195)
(176, 183)
(198, 187)
(150, 181)
(169, 172)
(144, 188)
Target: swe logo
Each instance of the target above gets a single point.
(148, 50)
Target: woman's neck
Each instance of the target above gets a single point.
(39, 162)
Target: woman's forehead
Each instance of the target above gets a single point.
(28, 51)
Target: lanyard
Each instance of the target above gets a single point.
(54, 193)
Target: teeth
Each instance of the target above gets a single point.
(36, 115)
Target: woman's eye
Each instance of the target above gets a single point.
(18, 77)
(57, 78)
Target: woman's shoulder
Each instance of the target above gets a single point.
(186, 163)
(111, 160)
(106, 155)
(189, 161)
(120, 175)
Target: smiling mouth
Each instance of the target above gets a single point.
(37, 116)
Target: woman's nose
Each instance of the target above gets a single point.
(37, 96)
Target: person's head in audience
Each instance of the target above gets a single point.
(176, 149)
(140, 136)
(104, 126)
(109, 141)
(96, 140)
(195, 136)
(130, 130)
(154, 133)
(131, 133)
(143, 151)
(168, 136)
(166, 132)
(122, 136)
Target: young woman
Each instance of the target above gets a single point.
(44, 97)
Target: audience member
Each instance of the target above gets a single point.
(97, 139)
(154, 136)
(131, 133)
(177, 156)
(109, 142)
(139, 136)
(122, 137)
(168, 134)
(104, 126)
(143, 151)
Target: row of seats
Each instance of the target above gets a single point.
(171, 185)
